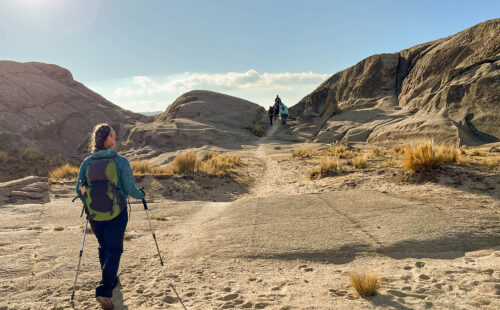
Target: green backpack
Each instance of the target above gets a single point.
(103, 199)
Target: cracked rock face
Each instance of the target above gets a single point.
(41, 106)
(447, 90)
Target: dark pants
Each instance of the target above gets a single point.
(271, 119)
(283, 119)
(110, 235)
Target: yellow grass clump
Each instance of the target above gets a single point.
(449, 154)
(422, 157)
(398, 149)
(391, 163)
(326, 164)
(491, 163)
(30, 154)
(360, 162)
(220, 164)
(303, 153)
(65, 171)
(186, 163)
(376, 151)
(365, 284)
(4, 157)
(141, 168)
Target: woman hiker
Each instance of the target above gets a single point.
(270, 113)
(284, 114)
(104, 182)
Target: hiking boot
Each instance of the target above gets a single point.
(105, 302)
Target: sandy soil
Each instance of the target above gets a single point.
(282, 242)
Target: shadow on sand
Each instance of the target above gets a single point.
(118, 298)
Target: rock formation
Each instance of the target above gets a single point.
(195, 119)
(447, 90)
(43, 107)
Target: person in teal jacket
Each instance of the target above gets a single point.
(109, 233)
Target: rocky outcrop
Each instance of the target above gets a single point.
(43, 107)
(30, 189)
(196, 119)
(447, 90)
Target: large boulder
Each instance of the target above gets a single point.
(43, 107)
(196, 119)
(447, 90)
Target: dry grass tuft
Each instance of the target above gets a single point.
(4, 157)
(220, 164)
(360, 162)
(376, 151)
(161, 218)
(398, 149)
(257, 129)
(127, 236)
(327, 164)
(141, 168)
(58, 228)
(30, 154)
(422, 157)
(449, 154)
(365, 284)
(491, 163)
(209, 155)
(391, 163)
(64, 172)
(303, 153)
(186, 163)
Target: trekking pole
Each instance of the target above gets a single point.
(79, 258)
(157, 248)
(151, 227)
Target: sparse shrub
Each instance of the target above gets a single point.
(303, 153)
(376, 151)
(491, 163)
(448, 154)
(4, 157)
(209, 155)
(31, 154)
(65, 171)
(141, 167)
(398, 149)
(220, 164)
(476, 153)
(422, 157)
(365, 284)
(360, 162)
(161, 218)
(58, 228)
(257, 129)
(328, 164)
(185, 163)
(391, 163)
(127, 236)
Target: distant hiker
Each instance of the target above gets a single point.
(284, 114)
(276, 109)
(270, 113)
(277, 100)
(104, 183)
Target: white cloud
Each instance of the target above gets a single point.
(142, 92)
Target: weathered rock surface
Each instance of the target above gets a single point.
(42, 106)
(195, 119)
(32, 189)
(447, 90)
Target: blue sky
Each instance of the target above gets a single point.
(143, 54)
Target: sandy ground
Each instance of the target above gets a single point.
(283, 243)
